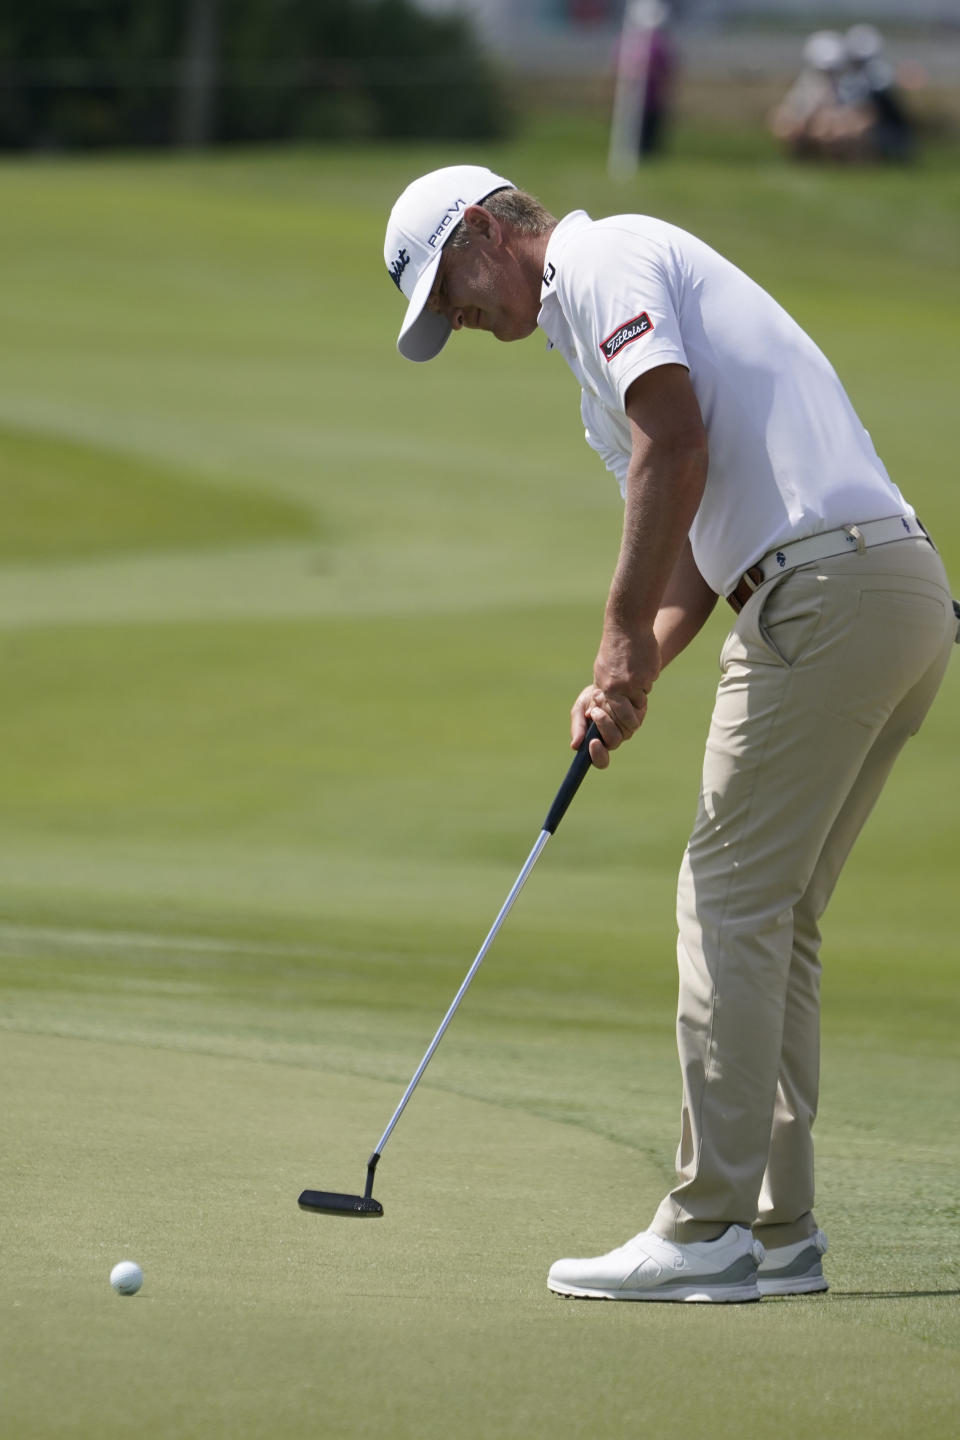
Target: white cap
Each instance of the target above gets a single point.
(825, 50)
(864, 42)
(420, 224)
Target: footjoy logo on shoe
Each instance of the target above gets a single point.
(781, 559)
(625, 335)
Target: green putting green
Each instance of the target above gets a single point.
(289, 630)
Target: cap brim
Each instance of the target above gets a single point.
(423, 333)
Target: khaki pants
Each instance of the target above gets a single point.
(826, 673)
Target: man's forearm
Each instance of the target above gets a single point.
(664, 489)
(665, 481)
(687, 604)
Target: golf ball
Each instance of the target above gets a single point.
(126, 1277)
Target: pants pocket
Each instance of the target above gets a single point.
(895, 640)
(789, 616)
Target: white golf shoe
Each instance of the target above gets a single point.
(651, 1268)
(794, 1269)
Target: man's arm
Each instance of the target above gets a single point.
(665, 480)
(687, 604)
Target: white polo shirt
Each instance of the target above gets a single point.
(788, 456)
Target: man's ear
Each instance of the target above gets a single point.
(476, 218)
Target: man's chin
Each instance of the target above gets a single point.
(513, 332)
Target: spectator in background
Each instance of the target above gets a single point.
(816, 118)
(870, 85)
(646, 67)
(660, 71)
(845, 104)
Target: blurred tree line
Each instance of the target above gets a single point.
(81, 73)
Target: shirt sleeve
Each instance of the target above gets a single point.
(622, 300)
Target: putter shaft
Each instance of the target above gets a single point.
(330, 1203)
(519, 883)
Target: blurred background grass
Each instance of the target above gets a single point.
(289, 630)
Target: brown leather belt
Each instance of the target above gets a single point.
(749, 581)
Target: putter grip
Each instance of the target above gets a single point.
(571, 784)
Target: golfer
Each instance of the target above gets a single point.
(746, 475)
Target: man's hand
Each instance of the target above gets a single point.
(624, 671)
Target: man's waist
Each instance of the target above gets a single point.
(846, 539)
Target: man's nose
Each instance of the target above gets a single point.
(456, 320)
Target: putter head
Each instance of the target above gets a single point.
(327, 1202)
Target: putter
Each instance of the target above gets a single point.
(329, 1202)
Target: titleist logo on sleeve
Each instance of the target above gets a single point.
(625, 335)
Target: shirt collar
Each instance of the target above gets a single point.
(562, 232)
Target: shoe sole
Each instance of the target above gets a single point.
(717, 1295)
(797, 1286)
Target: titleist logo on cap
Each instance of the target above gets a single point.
(396, 267)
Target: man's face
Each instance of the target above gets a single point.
(482, 287)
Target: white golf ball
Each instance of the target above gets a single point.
(126, 1277)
